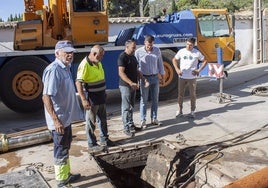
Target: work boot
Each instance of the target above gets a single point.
(66, 186)
(73, 178)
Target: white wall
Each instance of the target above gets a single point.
(244, 40)
(6, 34)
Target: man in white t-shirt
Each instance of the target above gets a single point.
(186, 65)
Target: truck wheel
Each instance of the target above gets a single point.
(21, 84)
(170, 87)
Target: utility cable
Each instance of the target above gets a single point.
(214, 148)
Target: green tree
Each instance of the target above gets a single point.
(187, 4)
(205, 4)
(157, 6)
(173, 6)
(10, 18)
(126, 8)
(231, 5)
(147, 10)
(144, 5)
(15, 18)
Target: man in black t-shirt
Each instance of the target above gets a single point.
(128, 84)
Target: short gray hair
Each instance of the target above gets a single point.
(97, 49)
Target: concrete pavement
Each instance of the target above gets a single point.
(214, 122)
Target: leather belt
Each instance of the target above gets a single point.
(150, 75)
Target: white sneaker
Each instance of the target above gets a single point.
(156, 122)
(179, 114)
(143, 124)
(192, 114)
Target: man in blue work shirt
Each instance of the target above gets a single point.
(61, 109)
(150, 64)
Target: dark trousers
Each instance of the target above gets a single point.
(62, 144)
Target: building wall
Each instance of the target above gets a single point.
(6, 34)
(244, 40)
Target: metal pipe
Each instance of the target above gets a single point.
(220, 61)
(258, 179)
(7, 143)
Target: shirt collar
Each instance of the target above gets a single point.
(62, 65)
(148, 51)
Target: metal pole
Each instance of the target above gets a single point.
(7, 143)
(221, 96)
(219, 60)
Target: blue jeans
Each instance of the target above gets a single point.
(96, 115)
(153, 89)
(128, 96)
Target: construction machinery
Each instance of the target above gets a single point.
(85, 22)
(82, 21)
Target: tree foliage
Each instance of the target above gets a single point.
(231, 5)
(186, 4)
(128, 8)
(15, 17)
(174, 8)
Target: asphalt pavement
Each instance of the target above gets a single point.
(238, 122)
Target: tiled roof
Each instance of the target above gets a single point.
(7, 25)
(111, 21)
(130, 20)
(243, 17)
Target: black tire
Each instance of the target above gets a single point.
(21, 84)
(170, 88)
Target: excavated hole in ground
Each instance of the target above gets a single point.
(152, 165)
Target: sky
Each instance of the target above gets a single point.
(9, 7)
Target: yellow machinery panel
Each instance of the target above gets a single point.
(28, 35)
(89, 28)
(88, 22)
